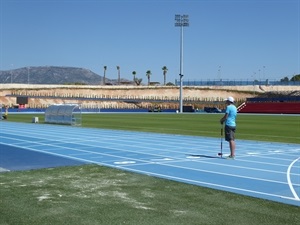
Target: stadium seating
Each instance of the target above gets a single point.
(271, 107)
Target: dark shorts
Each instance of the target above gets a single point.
(229, 133)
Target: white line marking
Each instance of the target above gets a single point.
(206, 183)
(288, 175)
(193, 157)
(253, 153)
(4, 170)
(162, 159)
(60, 148)
(124, 162)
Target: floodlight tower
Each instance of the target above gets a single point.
(181, 21)
(28, 75)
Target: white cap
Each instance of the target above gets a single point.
(230, 99)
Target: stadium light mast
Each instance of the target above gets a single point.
(181, 21)
(28, 75)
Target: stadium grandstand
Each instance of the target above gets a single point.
(273, 103)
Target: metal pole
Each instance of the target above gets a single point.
(11, 73)
(181, 71)
(181, 21)
(27, 75)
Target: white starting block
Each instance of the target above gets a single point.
(35, 119)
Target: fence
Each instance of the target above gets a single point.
(235, 82)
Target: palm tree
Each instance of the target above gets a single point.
(105, 68)
(134, 74)
(165, 70)
(118, 68)
(148, 74)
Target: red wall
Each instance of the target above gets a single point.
(271, 107)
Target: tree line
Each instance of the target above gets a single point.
(294, 78)
(137, 80)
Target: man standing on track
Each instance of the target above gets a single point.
(230, 125)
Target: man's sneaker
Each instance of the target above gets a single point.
(230, 157)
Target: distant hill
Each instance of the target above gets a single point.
(52, 75)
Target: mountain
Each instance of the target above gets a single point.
(52, 75)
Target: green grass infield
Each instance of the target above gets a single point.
(277, 128)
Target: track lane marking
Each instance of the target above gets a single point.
(288, 175)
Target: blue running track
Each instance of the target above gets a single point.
(262, 169)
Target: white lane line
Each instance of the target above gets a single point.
(78, 151)
(220, 186)
(83, 151)
(288, 175)
(3, 170)
(146, 161)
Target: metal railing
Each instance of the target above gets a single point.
(236, 82)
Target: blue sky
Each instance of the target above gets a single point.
(227, 39)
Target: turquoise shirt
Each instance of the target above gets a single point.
(231, 111)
